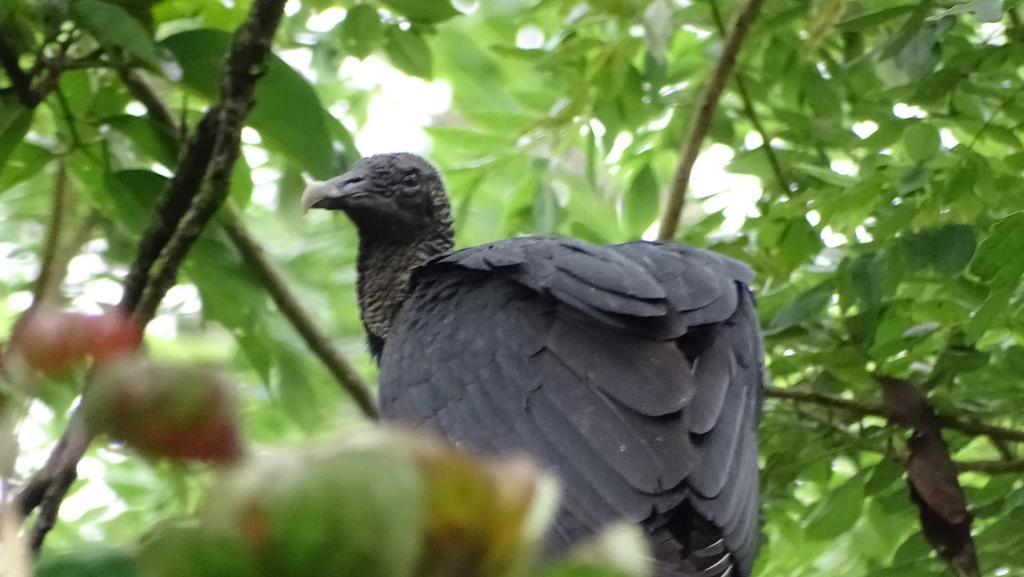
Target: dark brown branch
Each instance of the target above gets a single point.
(290, 307)
(21, 82)
(171, 207)
(992, 467)
(255, 257)
(246, 60)
(866, 409)
(995, 467)
(702, 121)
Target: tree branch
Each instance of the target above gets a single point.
(748, 107)
(255, 257)
(290, 307)
(866, 409)
(217, 136)
(702, 122)
(246, 63)
(141, 90)
(48, 280)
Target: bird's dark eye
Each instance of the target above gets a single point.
(411, 179)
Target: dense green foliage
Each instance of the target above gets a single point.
(884, 221)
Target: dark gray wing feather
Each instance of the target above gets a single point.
(633, 371)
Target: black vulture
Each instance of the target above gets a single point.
(633, 371)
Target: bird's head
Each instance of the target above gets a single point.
(394, 198)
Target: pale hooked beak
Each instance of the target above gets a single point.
(317, 191)
(337, 193)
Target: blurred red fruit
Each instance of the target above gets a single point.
(174, 411)
(54, 341)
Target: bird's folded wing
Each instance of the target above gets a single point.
(538, 346)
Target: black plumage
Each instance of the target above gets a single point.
(633, 371)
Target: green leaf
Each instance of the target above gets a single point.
(361, 31)
(805, 306)
(409, 52)
(427, 11)
(15, 121)
(115, 28)
(946, 250)
(837, 512)
(97, 562)
(25, 162)
(640, 204)
(921, 141)
(153, 139)
(287, 111)
(1003, 247)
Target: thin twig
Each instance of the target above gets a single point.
(702, 122)
(990, 467)
(752, 115)
(47, 281)
(141, 90)
(866, 409)
(995, 467)
(290, 307)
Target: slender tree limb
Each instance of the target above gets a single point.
(994, 467)
(748, 108)
(49, 278)
(246, 60)
(989, 467)
(21, 82)
(141, 90)
(702, 121)
(290, 307)
(171, 207)
(866, 409)
(255, 257)
(246, 63)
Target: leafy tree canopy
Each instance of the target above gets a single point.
(864, 156)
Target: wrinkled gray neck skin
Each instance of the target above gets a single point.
(386, 264)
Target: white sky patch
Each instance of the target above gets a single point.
(734, 195)
(844, 166)
(948, 139)
(863, 235)
(752, 140)
(904, 110)
(292, 7)
(254, 155)
(700, 33)
(135, 108)
(83, 267)
(994, 33)
(164, 326)
(813, 217)
(399, 108)
(865, 128)
(529, 37)
(250, 135)
(325, 21)
(619, 146)
(19, 301)
(265, 189)
(301, 59)
(184, 298)
(831, 238)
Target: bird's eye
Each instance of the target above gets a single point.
(411, 179)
